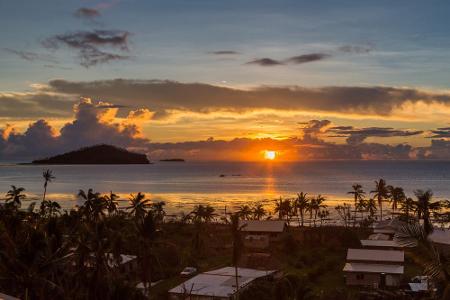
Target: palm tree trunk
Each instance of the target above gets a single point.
(236, 281)
(354, 215)
(45, 192)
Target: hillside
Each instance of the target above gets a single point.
(99, 154)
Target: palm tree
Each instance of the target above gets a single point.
(397, 196)
(111, 202)
(244, 212)
(435, 263)
(316, 205)
(205, 213)
(237, 247)
(301, 204)
(258, 211)
(361, 206)
(381, 193)
(15, 196)
(358, 195)
(371, 207)
(48, 177)
(138, 206)
(158, 211)
(407, 206)
(424, 206)
(94, 205)
(284, 209)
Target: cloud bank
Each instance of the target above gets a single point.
(166, 95)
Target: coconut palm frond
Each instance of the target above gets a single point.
(410, 235)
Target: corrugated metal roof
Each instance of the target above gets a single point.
(219, 283)
(379, 236)
(263, 226)
(441, 236)
(380, 243)
(7, 297)
(373, 268)
(375, 255)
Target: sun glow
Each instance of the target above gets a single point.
(270, 154)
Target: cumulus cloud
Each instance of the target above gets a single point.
(357, 136)
(165, 95)
(93, 47)
(94, 123)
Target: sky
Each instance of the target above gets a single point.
(226, 79)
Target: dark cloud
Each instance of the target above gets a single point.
(443, 132)
(162, 95)
(35, 105)
(356, 49)
(30, 56)
(87, 13)
(265, 62)
(224, 52)
(306, 58)
(357, 136)
(91, 45)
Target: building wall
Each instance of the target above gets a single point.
(363, 279)
(393, 280)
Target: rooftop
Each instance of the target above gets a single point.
(380, 243)
(219, 283)
(373, 268)
(263, 226)
(375, 255)
(440, 236)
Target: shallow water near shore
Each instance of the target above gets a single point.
(182, 185)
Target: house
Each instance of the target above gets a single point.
(368, 267)
(218, 284)
(441, 239)
(7, 297)
(380, 244)
(258, 234)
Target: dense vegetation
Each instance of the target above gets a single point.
(99, 154)
(47, 253)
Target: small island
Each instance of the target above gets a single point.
(98, 154)
(172, 160)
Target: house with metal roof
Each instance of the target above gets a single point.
(218, 284)
(259, 234)
(441, 239)
(380, 244)
(369, 267)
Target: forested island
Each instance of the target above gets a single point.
(98, 154)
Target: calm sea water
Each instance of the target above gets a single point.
(183, 185)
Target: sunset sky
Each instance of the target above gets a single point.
(226, 79)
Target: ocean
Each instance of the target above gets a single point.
(183, 185)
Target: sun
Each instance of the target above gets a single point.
(270, 154)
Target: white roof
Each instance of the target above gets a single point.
(440, 236)
(7, 297)
(384, 230)
(219, 283)
(125, 258)
(385, 224)
(375, 255)
(380, 243)
(263, 226)
(379, 236)
(373, 268)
